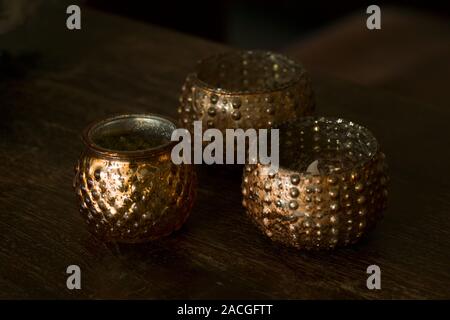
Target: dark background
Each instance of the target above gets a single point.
(408, 56)
(253, 23)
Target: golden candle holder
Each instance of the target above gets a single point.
(245, 89)
(330, 188)
(127, 186)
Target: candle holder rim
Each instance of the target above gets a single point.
(106, 153)
(303, 175)
(204, 85)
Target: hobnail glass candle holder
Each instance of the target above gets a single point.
(245, 89)
(127, 186)
(330, 188)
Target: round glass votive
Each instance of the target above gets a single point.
(127, 186)
(330, 188)
(245, 89)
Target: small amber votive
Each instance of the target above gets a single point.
(330, 188)
(127, 186)
(245, 89)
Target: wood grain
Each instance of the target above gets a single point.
(114, 65)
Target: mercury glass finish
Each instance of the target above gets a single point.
(245, 89)
(126, 184)
(330, 190)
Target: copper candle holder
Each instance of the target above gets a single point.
(329, 191)
(127, 186)
(245, 89)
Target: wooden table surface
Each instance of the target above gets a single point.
(115, 65)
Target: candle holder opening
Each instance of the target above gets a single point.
(248, 72)
(130, 135)
(325, 145)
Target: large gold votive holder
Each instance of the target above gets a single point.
(330, 188)
(245, 89)
(127, 186)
